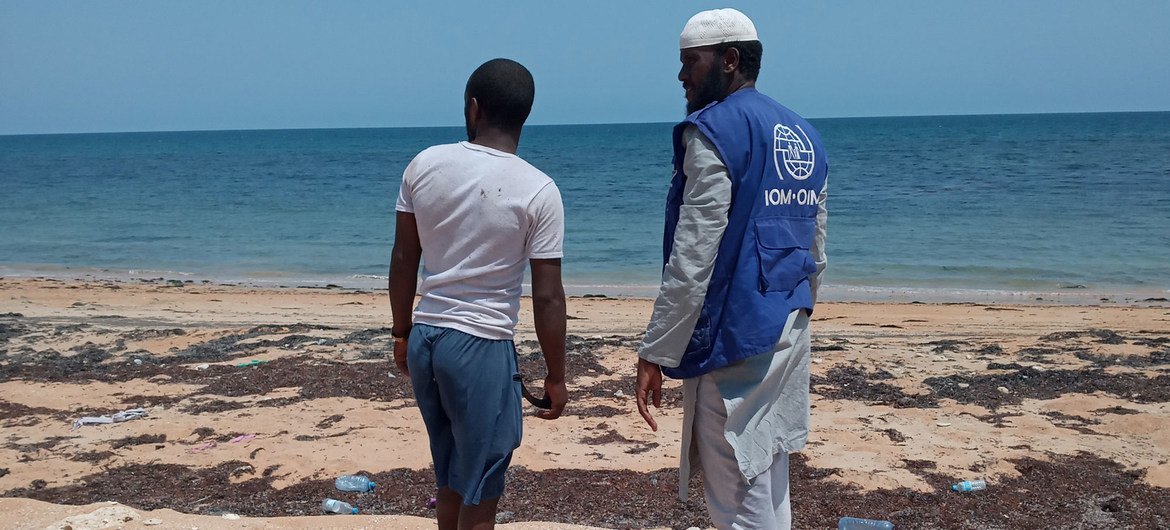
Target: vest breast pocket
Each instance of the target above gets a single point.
(782, 246)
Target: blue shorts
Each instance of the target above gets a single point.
(467, 390)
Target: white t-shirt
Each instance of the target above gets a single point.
(481, 215)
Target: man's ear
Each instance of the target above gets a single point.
(730, 59)
(471, 111)
(471, 117)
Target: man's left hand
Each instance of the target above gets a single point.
(400, 357)
(559, 395)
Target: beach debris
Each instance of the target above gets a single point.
(202, 448)
(895, 435)
(358, 483)
(943, 424)
(231, 516)
(242, 438)
(152, 522)
(969, 485)
(1003, 389)
(239, 471)
(855, 523)
(253, 362)
(143, 439)
(504, 517)
(963, 385)
(391, 375)
(203, 366)
(118, 417)
(432, 502)
(336, 506)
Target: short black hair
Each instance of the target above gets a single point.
(750, 53)
(504, 90)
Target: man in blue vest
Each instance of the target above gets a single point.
(742, 259)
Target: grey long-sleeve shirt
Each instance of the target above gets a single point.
(754, 429)
(702, 220)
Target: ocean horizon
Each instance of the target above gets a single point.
(1063, 207)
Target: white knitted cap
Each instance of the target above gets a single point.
(716, 27)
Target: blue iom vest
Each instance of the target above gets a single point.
(777, 167)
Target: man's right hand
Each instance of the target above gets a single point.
(648, 389)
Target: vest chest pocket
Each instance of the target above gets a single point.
(782, 247)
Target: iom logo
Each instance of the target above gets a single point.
(794, 152)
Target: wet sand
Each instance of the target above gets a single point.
(1063, 409)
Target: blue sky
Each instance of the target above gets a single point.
(90, 66)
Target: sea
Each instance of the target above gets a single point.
(1000, 208)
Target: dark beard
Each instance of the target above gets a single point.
(714, 88)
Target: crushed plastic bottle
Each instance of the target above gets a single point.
(854, 523)
(359, 483)
(969, 485)
(336, 506)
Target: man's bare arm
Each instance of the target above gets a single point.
(403, 281)
(548, 307)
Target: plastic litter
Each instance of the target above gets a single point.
(854, 523)
(358, 483)
(336, 506)
(969, 485)
(119, 417)
(253, 362)
(242, 438)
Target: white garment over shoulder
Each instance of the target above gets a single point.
(481, 215)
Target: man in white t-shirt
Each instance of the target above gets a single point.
(475, 213)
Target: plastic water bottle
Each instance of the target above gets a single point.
(359, 483)
(853, 523)
(336, 506)
(969, 485)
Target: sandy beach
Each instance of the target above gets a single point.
(256, 399)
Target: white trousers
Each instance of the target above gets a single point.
(732, 501)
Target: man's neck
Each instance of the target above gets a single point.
(739, 84)
(498, 140)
